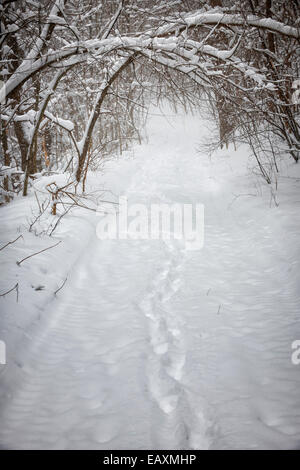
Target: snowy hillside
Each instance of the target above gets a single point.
(150, 345)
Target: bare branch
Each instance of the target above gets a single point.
(16, 287)
(37, 253)
(10, 243)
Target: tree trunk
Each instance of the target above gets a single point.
(94, 116)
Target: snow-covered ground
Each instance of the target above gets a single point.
(150, 345)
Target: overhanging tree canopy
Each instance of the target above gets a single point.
(242, 55)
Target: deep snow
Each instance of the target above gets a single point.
(149, 345)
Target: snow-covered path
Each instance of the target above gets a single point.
(153, 346)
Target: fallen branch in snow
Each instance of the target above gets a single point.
(60, 286)
(54, 190)
(57, 193)
(37, 253)
(76, 204)
(16, 287)
(10, 243)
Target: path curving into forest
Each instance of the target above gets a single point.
(152, 345)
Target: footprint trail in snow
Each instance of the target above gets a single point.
(154, 346)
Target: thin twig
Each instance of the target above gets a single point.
(10, 243)
(61, 286)
(60, 217)
(10, 290)
(37, 253)
(39, 215)
(38, 202)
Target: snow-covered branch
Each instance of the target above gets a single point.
(225, 19)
